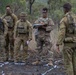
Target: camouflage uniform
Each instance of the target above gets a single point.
(11, 20)
(22, 33)
(44, 40)
(67, 34)
(3, 32)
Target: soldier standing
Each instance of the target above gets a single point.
(67, 35)
(43, 35)
(22, 35)
(11, 19)
(3, 33)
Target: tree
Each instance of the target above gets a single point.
(3, 4)
(18, 6)
(30, 6)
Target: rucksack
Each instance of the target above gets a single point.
(72, 23)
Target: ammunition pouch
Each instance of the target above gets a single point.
(21, 30)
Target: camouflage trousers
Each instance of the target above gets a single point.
(20, 48)
(69, 53)
(9, 46)
(2, 48)
(44, 47)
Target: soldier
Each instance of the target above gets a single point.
(43, 35)
(22, 36)
(67, 35)
(11, 20)
(3, 33)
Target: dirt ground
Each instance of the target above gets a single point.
(21, 69)
(7, 68)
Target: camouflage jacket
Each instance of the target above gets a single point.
(66, 30)
(46, 21)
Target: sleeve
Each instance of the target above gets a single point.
(14, 18)
(15, 29)
(61, 33)
(30, 30)
(6, 27)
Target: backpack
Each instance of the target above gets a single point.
(72, 23)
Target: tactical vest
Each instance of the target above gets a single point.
(1, 27)
(22, 28)
(9, 20)
(71, 28)
(45, 21)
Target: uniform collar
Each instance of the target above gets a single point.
(9, 14)
(23, 21)
(68, 13)
(44, 18)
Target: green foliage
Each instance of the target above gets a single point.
(20, 5)
(36, 11)
(15, 4)
(56, 10)
(3, 4)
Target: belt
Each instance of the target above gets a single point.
(22, 33)
(10, 27)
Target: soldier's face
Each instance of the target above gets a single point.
(8, 10)
(44, 14)
(65, 11)
(23, 18)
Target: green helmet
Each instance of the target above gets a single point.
(23, 14)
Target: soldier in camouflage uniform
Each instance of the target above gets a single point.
(3, 32)
(22, 34)
(11, 20)
(67, 35)
(43, 37)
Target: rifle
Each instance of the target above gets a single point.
(40, 26)
(36, 25)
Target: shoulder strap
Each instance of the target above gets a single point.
(70, 19)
